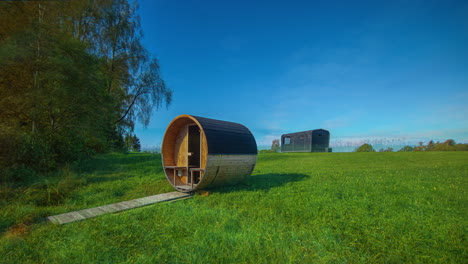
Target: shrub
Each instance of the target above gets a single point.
(407, 149)
(266, 151)
(365, 148)
(386, 150)
(448, 145)
(275, 146)
(449, 142)
(461, 147)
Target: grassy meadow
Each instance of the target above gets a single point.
(409, 207)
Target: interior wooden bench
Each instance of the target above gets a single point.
(191, 170)
(175, 169)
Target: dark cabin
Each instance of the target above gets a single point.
(317, 140)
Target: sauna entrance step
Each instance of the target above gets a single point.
(184, 187)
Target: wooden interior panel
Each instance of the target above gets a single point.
(168, 149)
(181, 147)
(204, 149)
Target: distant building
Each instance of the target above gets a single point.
(317, 140)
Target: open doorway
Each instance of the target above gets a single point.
(194, 153)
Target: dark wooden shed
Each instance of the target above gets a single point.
(317, 140)
(200, 153)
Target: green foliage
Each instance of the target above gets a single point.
(365, 148)
(266, 151)
(296, 208)
(407, 149)
(448, 145)
(132, 75)
(23, 152)
(74, 80)
(275, 145)
(132, 143)
(386, 150)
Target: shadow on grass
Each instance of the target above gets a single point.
(262, 182)
(99, 179)
(107, 164)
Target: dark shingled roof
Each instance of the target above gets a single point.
(227, 137)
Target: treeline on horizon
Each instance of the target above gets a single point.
(74, 80)
(448, 145)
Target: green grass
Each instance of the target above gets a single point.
(296, 208)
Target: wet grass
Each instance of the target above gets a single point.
(296, 208)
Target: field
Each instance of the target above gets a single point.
(296, 208)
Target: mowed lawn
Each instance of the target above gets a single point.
(296, 208)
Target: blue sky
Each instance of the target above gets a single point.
(361, 69)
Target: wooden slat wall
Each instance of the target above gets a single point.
(227, 169)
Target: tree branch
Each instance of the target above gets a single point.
(138, 94)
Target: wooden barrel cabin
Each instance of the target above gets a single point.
(201, 153)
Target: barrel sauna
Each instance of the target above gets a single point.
(201, 153)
